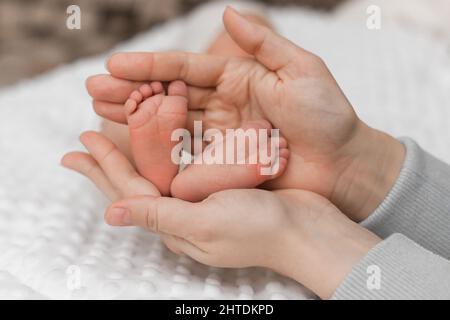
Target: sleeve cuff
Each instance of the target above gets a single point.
(418, 205)
(397, 268)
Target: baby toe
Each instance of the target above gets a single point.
(157, 87)
(130, 107)
(146, 90)
(177, 88)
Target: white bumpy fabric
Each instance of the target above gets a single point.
(52, 232)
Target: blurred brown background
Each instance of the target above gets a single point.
(34, 37)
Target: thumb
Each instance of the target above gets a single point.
(269, 48)
(158, 214)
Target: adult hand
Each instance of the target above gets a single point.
(333, 153)
(293, 232)
(296, 233)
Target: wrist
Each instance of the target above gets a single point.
(340, 253)
(373, 162)
(322, 260)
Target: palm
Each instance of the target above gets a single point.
(232, 102)
(299, 107)
(284, 84)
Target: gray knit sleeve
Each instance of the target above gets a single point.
(397, 268)
(418, 206)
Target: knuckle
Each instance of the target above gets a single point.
(152, 216)
(184, 68)
(108, 154)
(90, 168)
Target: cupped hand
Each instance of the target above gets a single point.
(288, 86)
(296, 233)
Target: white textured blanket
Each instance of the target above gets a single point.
(53, 241)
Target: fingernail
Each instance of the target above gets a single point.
(119, 217)
(107, 61)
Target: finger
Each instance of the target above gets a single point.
(159, 214)
(180, 246)
(107, 88)
(111, 111)
(116, 166)
(85, 164)
(269, 48)
(195, 69)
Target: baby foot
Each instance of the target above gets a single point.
(197, 181)
(152, 116)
